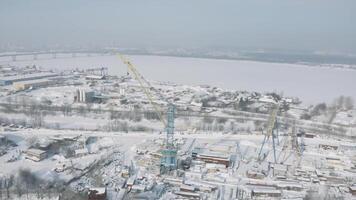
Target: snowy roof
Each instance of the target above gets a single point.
(266, 191)
(33, 81)
(267, 99)
(64, 137)
(105, 142)
(138, 187)
(187, 193)
(27, 76)
(214, 154)
(99, 190)
(284, 184)
(187, 187)
(35, 151)
(94, 77)
(45, 142)
(131, 180)
(81, 151)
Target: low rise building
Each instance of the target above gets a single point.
(266, 193)
(8, 80)
(215, 157)
(36, 154)
(189, 195)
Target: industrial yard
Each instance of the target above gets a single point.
(88, 134)
(177, 100)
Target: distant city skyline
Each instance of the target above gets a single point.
(323, 26)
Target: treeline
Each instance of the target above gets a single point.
(342, 103)
(26, 183)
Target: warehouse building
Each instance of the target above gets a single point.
(9, 80)
(23, 85)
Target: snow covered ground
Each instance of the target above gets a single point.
(311, 84)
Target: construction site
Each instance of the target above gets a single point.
(86, 134)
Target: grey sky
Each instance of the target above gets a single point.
(316, 25)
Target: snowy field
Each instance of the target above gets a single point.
(310, 84)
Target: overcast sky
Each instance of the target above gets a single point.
(313, 25)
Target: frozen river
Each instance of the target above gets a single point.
(310, 84)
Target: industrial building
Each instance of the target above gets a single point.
(84, 96)
(9, 80)
(23, 85)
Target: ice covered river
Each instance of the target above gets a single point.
(310, 84)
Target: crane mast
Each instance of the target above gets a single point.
(169, 154)
(272, 131)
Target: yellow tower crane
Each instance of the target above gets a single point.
(169, 154)
(272, 131)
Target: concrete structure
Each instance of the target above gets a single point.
(36, 154)
(84, 96)
(23, 85)
(214, 157)
(8, 80)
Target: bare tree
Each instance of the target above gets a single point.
(19, 188)
(349, 103)
(29, 179)
(1, 186)
(8, 183)
(37, 119)
(66, 109)
(82, 110)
